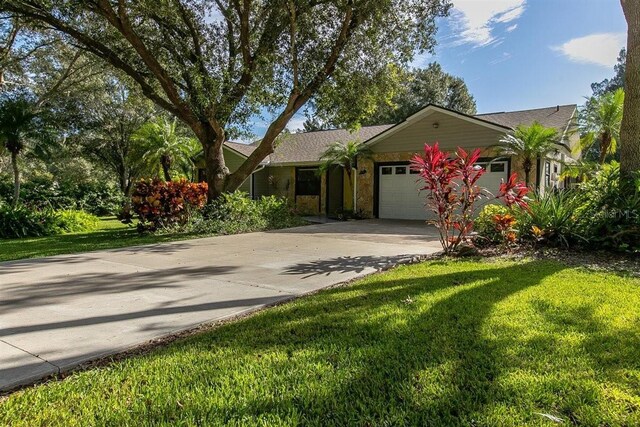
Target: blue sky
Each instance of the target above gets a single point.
(521, 54)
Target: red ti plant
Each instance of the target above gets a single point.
(450, 183)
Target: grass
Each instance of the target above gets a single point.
(439, 343)
(110, 235)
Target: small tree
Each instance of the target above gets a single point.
(163, 146)
(21, 125)
(344, 156)
(600, 123)
(528, 143)
(452, 191)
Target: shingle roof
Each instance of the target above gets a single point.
(244, 149)
(309, 146)
(555, 117)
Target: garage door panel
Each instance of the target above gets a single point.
(399, 196)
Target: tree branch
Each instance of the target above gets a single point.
(102, 51)
(297, 100)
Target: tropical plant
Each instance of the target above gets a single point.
(528, 143)
(551, 218)
(344, 156)
(163, 146)
(21, 124)
(609, 214)
(582, 170)
(600, 121)
(451, 189)
(161, 204)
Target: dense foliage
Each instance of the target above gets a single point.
(213, 65)
(161, 204)
(98, 198)
(235, 213)
(22, 221)
(600, 213)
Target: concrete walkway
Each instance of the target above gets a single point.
(58, 312)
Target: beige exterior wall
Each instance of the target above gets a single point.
(451, 132)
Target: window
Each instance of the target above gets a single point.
(547, 174)
(401, 170)
(414, 171)
(386, 170)
(307, 182)
(555, 168)
(497, 167)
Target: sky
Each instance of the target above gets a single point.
(522, 54)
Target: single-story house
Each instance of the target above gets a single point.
(385, 187)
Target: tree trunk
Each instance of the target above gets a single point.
(217, 171)
(165, 161)
(605, 143)
(16, 178)
(526, 166)
(630, 127)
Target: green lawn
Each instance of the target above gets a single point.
(111, 234)
(471, 343)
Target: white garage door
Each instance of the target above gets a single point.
(399, 197)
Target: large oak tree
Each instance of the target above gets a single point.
(216, 63)
(630, 127)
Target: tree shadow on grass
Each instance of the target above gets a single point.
(378, 358)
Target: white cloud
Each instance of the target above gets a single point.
(600, 49)
(511, 28)
(476, 20)
(296, 122)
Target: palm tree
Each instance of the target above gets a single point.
(344, 156)
(20, 124)
(528, 143)
(163, 146)
(600, 121)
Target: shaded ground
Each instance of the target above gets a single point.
(438, 343)
(59, 312)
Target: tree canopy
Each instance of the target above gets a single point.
(614, 83)
(215, 64)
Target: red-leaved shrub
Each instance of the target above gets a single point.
(160, 203)
(451, 189)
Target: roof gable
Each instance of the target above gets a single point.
(426, 112)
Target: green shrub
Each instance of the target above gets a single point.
(42, 192)
(609, 215)
(552, 218)
(23, 221)
(74, 221)
(235, 213)
(485, 224)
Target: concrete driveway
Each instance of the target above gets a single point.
(58, 312)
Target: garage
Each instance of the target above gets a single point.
(398, 189)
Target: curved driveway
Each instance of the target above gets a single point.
(58, 312)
